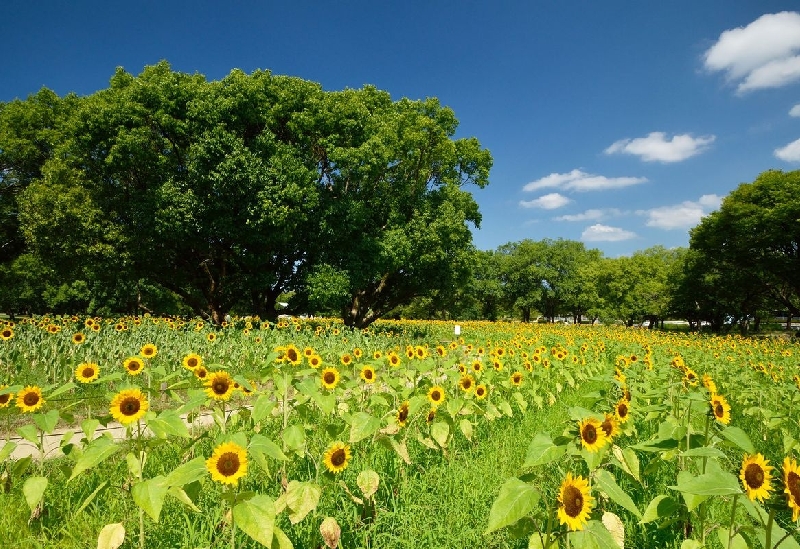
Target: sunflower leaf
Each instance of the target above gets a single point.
(660, 507)
(255, 516)
(739, 438)
(33, 490)
(262, 408)
(608, 484)
(187, 473)
(168, 423)
(542, 450)
(111, 536)
(280, 540)
(95, 453)
(301, 499)
(593, 536)
(149, 495)
(362, 426)
(7, 449)
(515, 500)
(440, 432)
(714, 483)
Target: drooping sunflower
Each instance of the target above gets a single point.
(402, 414)
(134, 365)
(192, 361)
(129, 405)
(481, 391)
(330, 377)
(30, 399)
(436, 395)
(78, 338)
(791, 486)
(721, 409)
(709, 384)
(466, 383)
(516, 379)
(87, 372)
(219, 385)
(593, 437)
(756, 476)
(336, 457)
(149, 350)
(610, 426)
(431, 415)
(622, 410)
(574, 502)
(228, 463)
(5, 399)
(368, 374)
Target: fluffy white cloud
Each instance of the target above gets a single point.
(795, 111)
(590, 215)
(681, 216)
(789, 153)
(656, 147)
(547, 202)
(761, 55)
(604, 233)
(578, 180)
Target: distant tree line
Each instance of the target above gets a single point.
(168, 193)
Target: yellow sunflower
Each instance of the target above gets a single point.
(516, 379)
(436, 395)
(346, 359)
(5, 399)
(574, 502)
(593, 437)
(622, 410)
(78, 338)
(481, 391)
(477, 366)
(211, 337)
(791, 484)
(87, 372)
(30, 399)
(192, 361)
(134, 365)
(330, 377)
(336, 457)
(292, 355)
(721, 409)
(200, 372)
(466, 383)
(610, 426)
(315, 361)
(6, 334)
(149, 350)
(228, 463)
(358, 353)
(709, 384)
(368, 374)
(219, 385)
(128, 406)
(756, 476)
(402, 414)
(394, 359)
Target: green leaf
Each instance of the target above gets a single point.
(505, 407)
(262, 408)
(98, 451)
(33, 489)
(294, 439)
(89, 426)
(111, 536)
(46, 422)
(593, 536)
(714, 483)
(368, 482)
(362, 426)
(608, 484)
(691, 544)
(301, 499)
(440, 431)
(187, 473)
(739, 438)
(149, 495)
(627, 460)
(261, 447)
(255, 516)
(168, 423)
(180, 494)
(516, 500)
(90, 498)
(61, 390)
(325, 402)
(737, 542)
(466, 428)
(704, 452)
(29, 433)
(542, 451)
(7, 449)
(660, 507)
(280, 540)
(21, 466)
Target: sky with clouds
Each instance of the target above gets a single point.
(619, 124)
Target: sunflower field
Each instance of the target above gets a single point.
(167, 432)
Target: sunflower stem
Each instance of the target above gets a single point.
(733, 516)
(768, 533)
(233, 522)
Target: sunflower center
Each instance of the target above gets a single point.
(329, 378)
(201, 373)
(30, 399)
(402, 415)
(6, 333)
(436, 395)
(291, 354)
(134, 365)
(467, 383)
(573, 501)
(130, 406)
(228, 464)
(589, 434)
(5, 398)
(338, 457)
(87, 372)
(754, 475)
(793, 484)
(192, 362)
(622, 410)
(719, 411)
(479, 391)
(368, 374)
(220, 386)
(607, 427)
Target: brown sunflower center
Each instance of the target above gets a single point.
(88, 372)
(622, 410)
(793, 484)
(589, 434)
(201, 373)
(754, 475)
(6, 333)
(607, 427)
(191, 362)
(573, 501)
(402, 414)
(368, 374)
(329, 378)
(134, 365)
(220, 386)
(30, 399)
(480, 391)
(517, 378)
(466, 383)
(147, 352)
(436, 396)
(338, 457)
(228, 464)
(5, 398)
(291, 354)
(719, 411)
(130, 406)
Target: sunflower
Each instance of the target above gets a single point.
(690, 377)
(791, 483)
(497, 365)
(709, 384)
(192, 361)
(377, 355)
(315, 361)
(477, 366)
(575, 502)
(308, 352)
(5, 399)
(421, 352)
(87, 372)
(6, 334)
(610, 426)
(30, 399)
(441, 351)
(593, 437)
(516, 379)
(368, 374)
(394, 359)
(149, 350)
(622, 410)
(721, 409)
(292, 355)
(330, 377)
(358, 353)
(346, 359)
(431, 415)
(228, 463)
(481, 391)
(78, 338)
(402, 414)
(756, 476)
(128, 406)
(436, 395)
(466, 383)
(219, 385)
(336, 457)
(200, 372)
(134, 365)
(211, 337)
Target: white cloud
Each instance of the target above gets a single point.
(578, 180)
(590, 215)
(795, 111)
(760, 55)
(547, 202)
(789, 153)
(681, 216)
(655, 147)
(604, 233)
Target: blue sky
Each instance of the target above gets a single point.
(615, 123)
